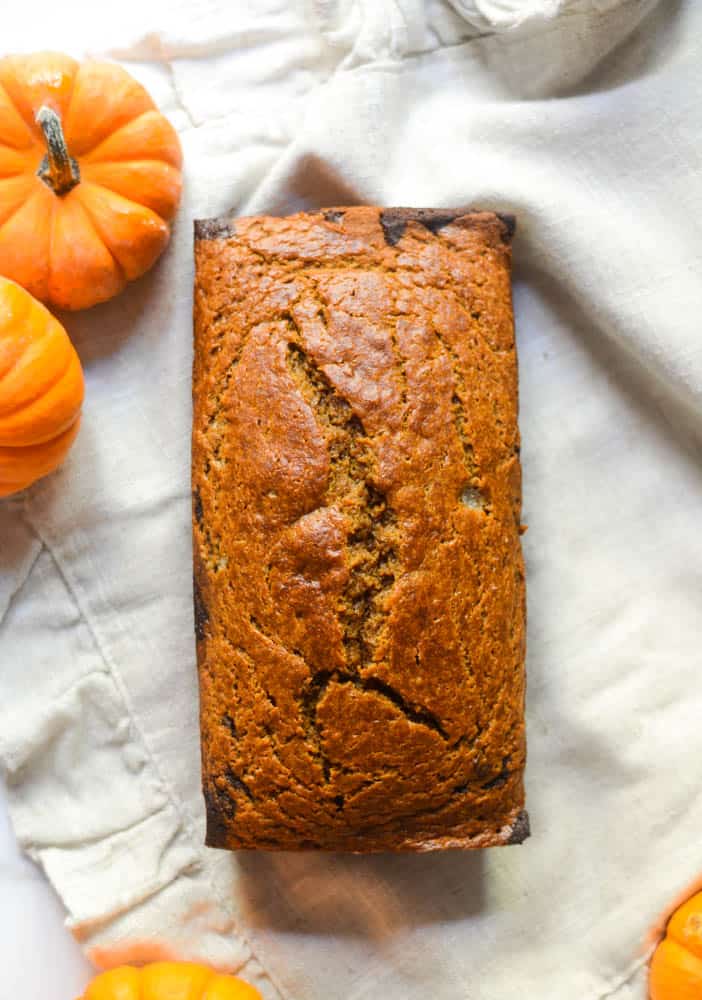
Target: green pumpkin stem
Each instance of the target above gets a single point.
(58, 169)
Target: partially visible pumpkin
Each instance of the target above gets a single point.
(676, 966)
(41, 390)
(168, 981)
(89, 178)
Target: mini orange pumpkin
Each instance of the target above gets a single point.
(41, 390)
(89, 178)
(676, 966)
(168, 981)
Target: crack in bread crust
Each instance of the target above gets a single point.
(359, 592)
(317, 687)
(371, 553)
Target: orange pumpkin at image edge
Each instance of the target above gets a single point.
(676, 966)
(41, 390)
(168, 981)
(89, 178)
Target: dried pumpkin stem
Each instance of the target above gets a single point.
(58, 169)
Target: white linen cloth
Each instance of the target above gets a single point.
(583, 118)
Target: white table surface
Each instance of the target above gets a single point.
(39, 958)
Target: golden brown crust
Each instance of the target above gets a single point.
(359, 586)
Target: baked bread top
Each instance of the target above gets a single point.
(359, 586)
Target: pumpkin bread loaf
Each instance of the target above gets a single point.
(359, 585)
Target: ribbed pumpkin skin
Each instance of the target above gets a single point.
(168, 981)
(41, 390)
(676, 967)
(80, 247)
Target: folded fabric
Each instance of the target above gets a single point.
(582, 119)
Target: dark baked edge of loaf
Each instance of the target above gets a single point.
(516, 831)
(392, 220)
